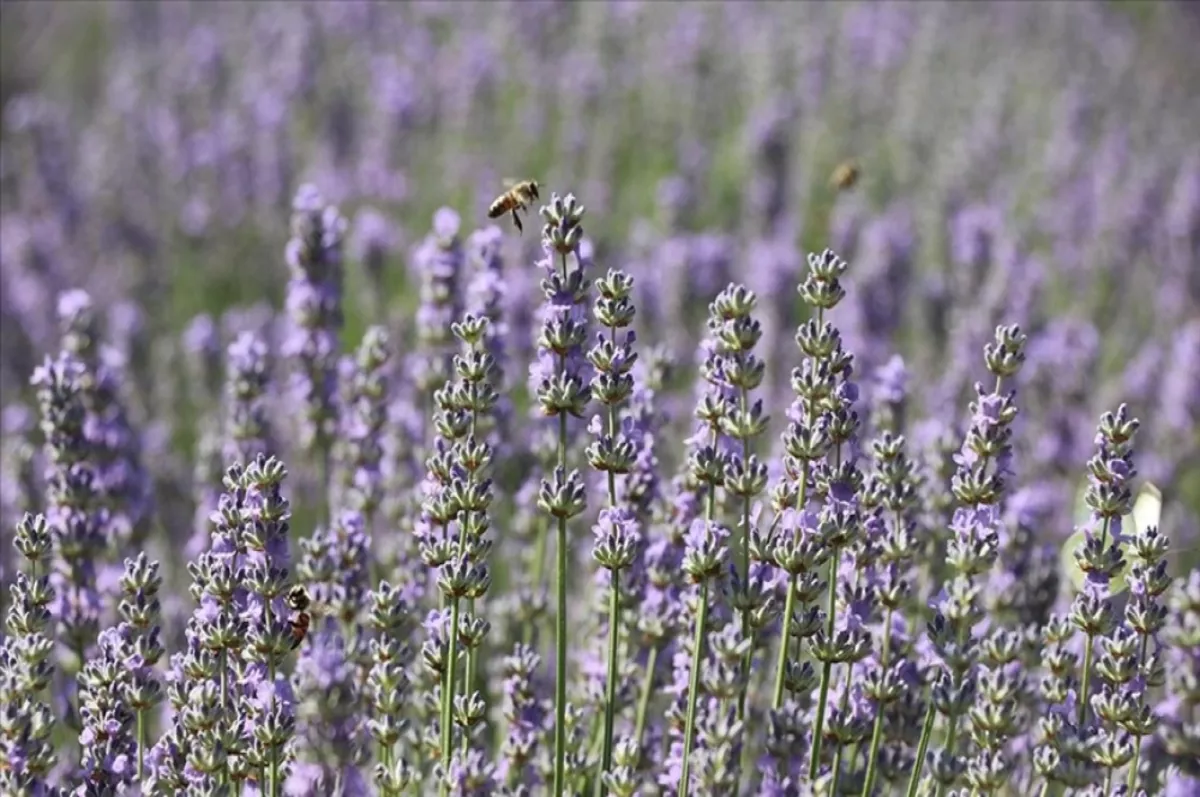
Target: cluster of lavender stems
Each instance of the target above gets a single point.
(861, 606)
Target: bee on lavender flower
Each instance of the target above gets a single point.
(845, 175)
(519, 196)
(298, 602)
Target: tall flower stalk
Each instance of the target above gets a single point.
(72, 506)
(563, 392)
(1101, 557)
(745, 476)
(1146, 616)
(388, 685)
(121, 484)
(613, 455)
(706, 540)
(978, 484)
(475, 397)
(893, 484)
(828, 421)
(26, 667)
(141, 611)
(463, 405)
(439, 262)
(704, 562)
(265, 516)
(314, 304)
(363, 423)
(247, 430)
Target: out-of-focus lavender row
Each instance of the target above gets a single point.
(233, 237)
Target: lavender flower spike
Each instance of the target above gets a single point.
(563, 392)
(314, 304)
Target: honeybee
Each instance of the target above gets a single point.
(519, 196)
(845, 175)
(298, 602)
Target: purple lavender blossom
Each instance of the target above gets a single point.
(438, 262)
(314, 303)
(247, 428)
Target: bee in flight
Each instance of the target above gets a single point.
(519, 196)
(845, 175)
(298, 602)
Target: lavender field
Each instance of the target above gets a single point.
(736, 473)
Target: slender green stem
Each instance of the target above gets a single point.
(448, 691)
(697, 654)
(610, 697)
(560, 642)
(827, 670)
(1085, 684)
(222, 656)
(273, 782)
(877, 731)
(385, 758)
(639, 724)
(141, 742)
(614, 621)
(789, 608)
(1131, 784)
(914, 780)
(469, 671)
(789, 605)
(837, 770)
(693, 688)
(744, 406)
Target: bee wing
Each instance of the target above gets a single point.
(509, 182)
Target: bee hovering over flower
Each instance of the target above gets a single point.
(845, 175)
(519, 196)
(298, 603)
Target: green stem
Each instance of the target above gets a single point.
(610, 697)
(827, 669)
(468, 679)
(744, 406)
(614, 617)
(877, 731)
(469, 673)
(560, 643)
(693, 687)
(385, 758)
(224, 703)
(789, 607)
(1131, 784)
(448, 692)
(273, 780)
(922, 748)
(639, 725)
(837, 770)
(141, 742)
(1085, 684)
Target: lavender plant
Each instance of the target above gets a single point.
(858, 587)
(26, 666)
(562, 392)
(314, 259)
